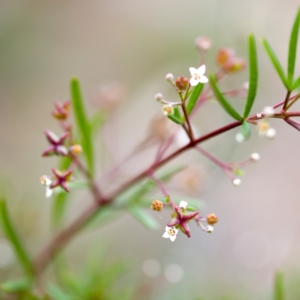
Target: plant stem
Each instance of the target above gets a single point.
(65, 235)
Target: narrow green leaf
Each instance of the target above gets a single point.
(177, 113)
(13, 237)
(253, 75)
(143, 217)
(17, 285)
(175, 119)
(246, 130)
(57, 293)
(278, 286)
(194, 96)
(296, 84)
(83, 124)
(222, 100)
(276, 63)
(97, 121)
(293, 49)
(60, 201)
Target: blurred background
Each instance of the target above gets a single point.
(132, 45)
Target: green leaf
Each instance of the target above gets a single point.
(293, 49)
(253, 75)
(143, 217)
(194, 96)
(97, 121)
(222, 100)
(58, 294)
(13, 237)
(175, 119)
(246, 130)
(296, 84)
(17, 285)
(278, 286)
(83, 124)
(276, 63)
(60, 201)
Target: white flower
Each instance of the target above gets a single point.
(209, 229)
(170, 77)
(183, 205)
(255, 157)
(236, 181)
(167, 109)
(268, 111)
(198, 75)
(45, 180)
(171, 233)
(271, 133)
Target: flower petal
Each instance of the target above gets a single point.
(183, 204)
(166, 235)
(173, 238)
(193, 71)
(203, 79)
(49, 192)
(193, 81)
(201, 70)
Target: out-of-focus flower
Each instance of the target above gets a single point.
(255, 157)
(203, 43)
(62, 110)
(167, 109)
(62, 178)
(209, 229)
(157, 205)
(268, 111)
(170, 233)
(57, 144)
(236, 181)
(265, 130)
(183, 205)
(227, 60)
(76, 149)
(46, 181)
(109, 96)
(198, 75)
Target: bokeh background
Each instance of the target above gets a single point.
(136, 43)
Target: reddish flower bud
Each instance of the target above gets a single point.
(212, 219)
(62, 110)
(182, 83)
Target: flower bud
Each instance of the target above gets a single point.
(203, 43)
(167, 109)
(182, 83)
(169, 77)
(255, 157)
(224, 56)
(236, 181)
(76, 149)
(270, 133)
(209, 229)
(268, 111)
(212, 219)
(159, 97)
(239, 137)
(157, 205)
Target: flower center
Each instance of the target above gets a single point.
(171, 232)
(196, 76)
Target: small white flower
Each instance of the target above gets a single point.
(46, 181)
(167, 109)
(268, 111)
(236, 181)
(270, 133)
(258, 116)
(255, 157)
(171, 233)
(183, 205)
(198, 75)
(209, 229)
